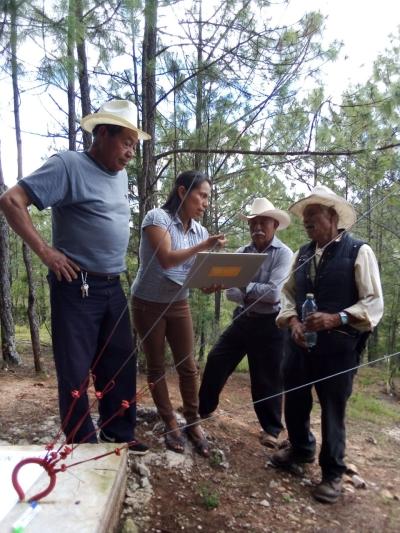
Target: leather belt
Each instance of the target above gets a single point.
(253, 314)
(104, 277)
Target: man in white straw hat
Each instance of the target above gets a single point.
(342, 273)
(91, 333)
(253, 330)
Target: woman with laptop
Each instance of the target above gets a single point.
(170, 238)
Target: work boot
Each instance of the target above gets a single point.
(292, 461)
(329, 490)
(287, 456)
(268, 440)
(136, 447)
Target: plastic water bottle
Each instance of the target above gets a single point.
(309, 306)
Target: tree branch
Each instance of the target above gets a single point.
(272, 153)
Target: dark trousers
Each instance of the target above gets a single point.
(335, 352)
(81, 329)
(262, 341)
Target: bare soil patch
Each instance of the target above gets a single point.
(235, 490)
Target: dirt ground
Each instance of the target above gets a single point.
(236, 489)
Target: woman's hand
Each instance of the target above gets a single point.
(212, 288)
(215, 242)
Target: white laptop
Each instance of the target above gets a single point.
(228, 269)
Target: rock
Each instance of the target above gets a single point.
(273, 484)
(358, 482)
(23, 442)
(218, 458)
(129, 526)
(385, 493)
(142, 469)
(133, 487)
(265, 503)
(159, 428)
(145, 483)
(371, 440)
(309, 509)
(148, 414)
(351, 470)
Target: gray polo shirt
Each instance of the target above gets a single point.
(90, 209)
(154, 283)
(266, 285)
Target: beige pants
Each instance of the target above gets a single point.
(176, 327)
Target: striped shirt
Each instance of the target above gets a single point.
(157, 284)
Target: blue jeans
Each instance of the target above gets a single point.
(82, 330)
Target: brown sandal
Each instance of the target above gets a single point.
(175, 443)
(201, 444)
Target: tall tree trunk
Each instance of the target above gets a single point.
(71, 76)
(199, 90)
(202, 349)
(372, 349)
(83, 71)
(138, 152)
(32, 313)
(147, 180)
(8, 344)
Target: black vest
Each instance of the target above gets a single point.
(334, 286)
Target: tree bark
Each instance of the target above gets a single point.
(71, 76)
(83, 73)
(8, 344)
(198, 158)
(32, 314)
(147, 180)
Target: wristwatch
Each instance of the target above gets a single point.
(344, 318)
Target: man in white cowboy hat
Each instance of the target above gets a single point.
(343, 275)
(253, 330)
(91, 333)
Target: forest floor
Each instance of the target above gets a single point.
(236, 489)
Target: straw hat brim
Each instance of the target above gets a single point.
(346, 212)
(282, 217)
(90, 121)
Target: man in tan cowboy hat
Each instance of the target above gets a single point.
(91, 333)
(253, 330)
(342, 273)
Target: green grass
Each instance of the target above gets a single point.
(363, 406)
(209, 497)
(243, 366)
(371, 376)
(23, 334)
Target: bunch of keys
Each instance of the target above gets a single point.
(84, 286)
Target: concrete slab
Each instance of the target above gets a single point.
(87, 498)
